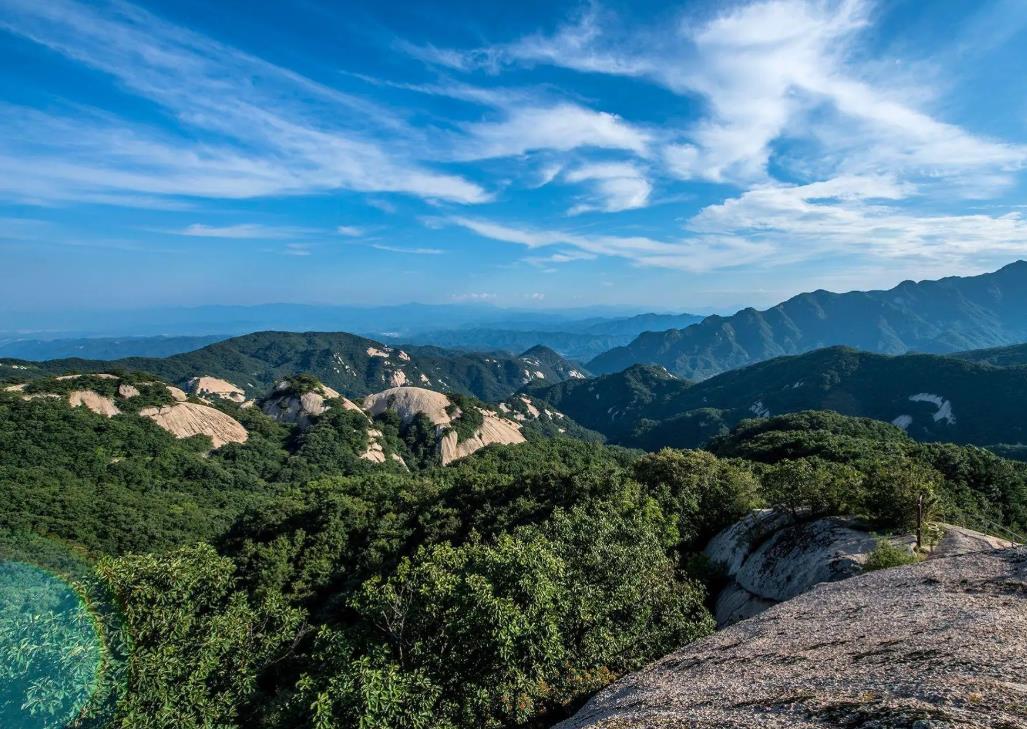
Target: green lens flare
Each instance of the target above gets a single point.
(51, 649)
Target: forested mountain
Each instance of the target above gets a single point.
(949, 315)
(931, 397)
(287, 581)
(1013, 356)
(353, 365)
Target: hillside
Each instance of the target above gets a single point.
(949, 315)
(329, 549)
(851, 654)
(1013, 356)
(931, 397)
(350, 364)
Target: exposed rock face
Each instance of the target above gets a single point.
(216, 387)
(938, 644)
(94, 401)
(125, 390)
(493, 430)
(407, 402)
(960, 540)
(375, 452)
(177, 393)
(301, 409)
(770, 558)
(186, 419)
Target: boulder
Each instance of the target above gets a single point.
(770, 557)
(126, 390)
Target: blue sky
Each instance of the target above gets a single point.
(683, 156)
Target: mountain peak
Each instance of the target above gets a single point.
(958, 313)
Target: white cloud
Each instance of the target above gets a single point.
(617, 186)
(561, 127)
(269, 130)
(849, 214)
(350, 230)
(241, 231)
(772, 71)
(561, 257)
(473, 296)
(412, 251)
(697, 254)
(297, 249)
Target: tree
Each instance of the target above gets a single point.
(197, 643)
(705, 493)
(813, 487)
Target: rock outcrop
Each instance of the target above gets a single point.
(408, 402)
(126, 390)
(186, 419)
(207, 386)
(493, 430)
(94, 401)
(770, 558)
(295, 408)
(942, 643)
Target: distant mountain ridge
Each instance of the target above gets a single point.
(353, 365)
(103, 347)
(578, 340)
(470, 328)
(948, 315)
(931, 397)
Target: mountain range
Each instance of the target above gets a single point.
(576, 333)
(943, 316)
(931, 397)
(353, 365)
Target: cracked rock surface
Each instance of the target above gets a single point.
(942, 643)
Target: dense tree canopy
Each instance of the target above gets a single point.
(285, 581)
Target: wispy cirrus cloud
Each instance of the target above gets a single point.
(411, 251)
(768, 70)
(244, 231)
(787, 95)
(690, 254)
(776, 225)
(616, 186)
(255, 129)
(560, 127)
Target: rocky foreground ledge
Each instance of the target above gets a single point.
(937, 644)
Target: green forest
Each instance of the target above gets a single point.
(285, 582)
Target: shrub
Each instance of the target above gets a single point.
(886, 555)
